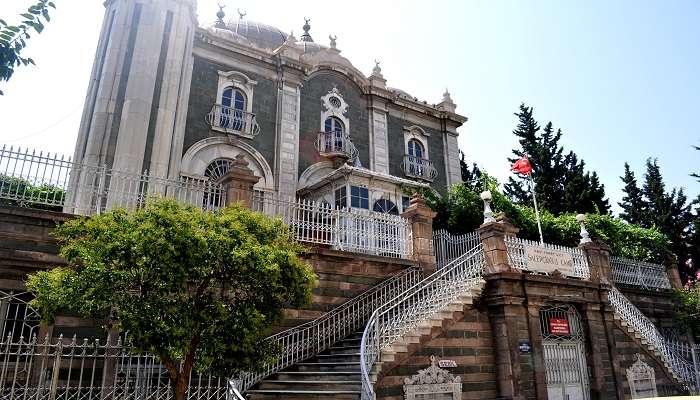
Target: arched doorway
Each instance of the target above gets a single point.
(563, 345)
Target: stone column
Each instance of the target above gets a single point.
(674, 276)
(421, 217)
(598, 255)
(493, 236)
(238, 183)
(599, 352)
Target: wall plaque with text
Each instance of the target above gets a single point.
(541, 259)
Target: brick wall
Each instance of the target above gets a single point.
(467, 340)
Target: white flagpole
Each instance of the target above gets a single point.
(537, 211)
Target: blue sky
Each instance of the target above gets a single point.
(619, 77)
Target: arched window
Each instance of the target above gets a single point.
(215, 170)
(415, 148)
(335, 132)
(233, 109)
(385, 206)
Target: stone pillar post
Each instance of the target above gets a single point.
(598, 255)
(493, 236)
(421, 217)
(674, 276)
(238, 183)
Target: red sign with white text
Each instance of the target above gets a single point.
(559, 326)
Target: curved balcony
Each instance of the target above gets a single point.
(231, 120)
(335, 146)
(418, 168)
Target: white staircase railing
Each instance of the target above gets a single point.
(307, 340)
(448, 247)
(639, 273)
(629, 314)
(418, 304)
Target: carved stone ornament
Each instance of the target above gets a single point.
(433, 383)
(333, 101)
(642, 379)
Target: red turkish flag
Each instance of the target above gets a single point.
(522, 166)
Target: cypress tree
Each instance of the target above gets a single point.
(561, 182)
(471, 177)
(633, 207)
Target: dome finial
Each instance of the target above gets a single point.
(306, 37)
(333, 38)
(220, 16)
(241, 14)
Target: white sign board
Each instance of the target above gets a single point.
(447, 364)
(541, 259)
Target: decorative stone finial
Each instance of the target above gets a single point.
(306, 37)
(332, 38)
(488, 212)
(585, 237)
(241, 14)
(446, 104)
(220, 16)
(377, 70)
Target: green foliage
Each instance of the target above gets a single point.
(687, 303)
(561, 182)
(461, 211)
(13, 37)
(198, 289)
(632, 202)
(470, 176)
(11, 186)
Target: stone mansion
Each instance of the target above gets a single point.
(181, 100)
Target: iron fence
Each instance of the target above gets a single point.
(449, 247)
(639, 273)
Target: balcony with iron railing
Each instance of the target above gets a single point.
(335, 146)
(232, 120)
(418, 168)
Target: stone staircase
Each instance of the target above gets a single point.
(332, 374)
(424, 331)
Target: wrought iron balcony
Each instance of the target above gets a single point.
(419, 168)
(231, 120)
(335, 146)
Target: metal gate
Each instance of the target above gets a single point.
(564, 353)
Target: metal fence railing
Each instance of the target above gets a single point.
(45, 180)
(449, 247)
(309, 339)
(528, 255)
(407, 311)
(639, 273)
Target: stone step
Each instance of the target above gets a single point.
(344, 350)
(326, 366)
(291, 385)
(318, 375)
(338, 358)
(304, 394)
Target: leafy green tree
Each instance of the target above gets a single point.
(13, 38)
(22, 193)
(633, 206)
(561, 181)
(198, 289)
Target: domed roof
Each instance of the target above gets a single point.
(262, 35)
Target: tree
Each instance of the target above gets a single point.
(632, 202)
(13, 37)
(198, 289)
(470, 176)
(561, 181)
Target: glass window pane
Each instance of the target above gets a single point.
(227, 97)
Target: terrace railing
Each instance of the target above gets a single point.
(45, 180)
(351, 229)
(449, 247)
(420, 168)
(639, 273)
(406, 312)
(524, 254)
(309, 339)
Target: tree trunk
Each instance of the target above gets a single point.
(180, 388)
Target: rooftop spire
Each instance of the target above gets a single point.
(241, 14)
(220, 16)
(306, 37)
